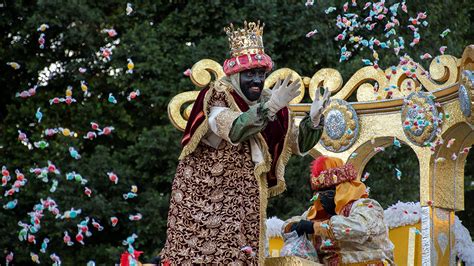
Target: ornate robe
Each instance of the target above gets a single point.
(233, 159)
(358, 236)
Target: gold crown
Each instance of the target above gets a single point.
(247, 40)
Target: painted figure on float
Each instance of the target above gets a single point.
(344, 225)
(236, 144)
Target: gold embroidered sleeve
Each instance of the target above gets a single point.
(364, 221)
(224, 122)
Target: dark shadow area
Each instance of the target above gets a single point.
(383, 182)
(467, 216)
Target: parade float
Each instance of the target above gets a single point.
(424, 109)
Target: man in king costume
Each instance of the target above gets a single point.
(345, 226)
(236, 144)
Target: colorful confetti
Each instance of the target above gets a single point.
(365, 177)
(398, 173)
(129, 9)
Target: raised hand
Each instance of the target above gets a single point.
(318, 105)
(282, 94)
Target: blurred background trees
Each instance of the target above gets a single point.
(163, 39)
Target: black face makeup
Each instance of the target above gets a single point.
(251, 83)
(327, 201)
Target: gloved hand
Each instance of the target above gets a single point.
(282, 94)
(318, 106)
(303, 227)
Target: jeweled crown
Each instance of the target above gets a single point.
(247, 40)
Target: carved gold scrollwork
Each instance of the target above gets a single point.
(282, 73)
(327, 78)
(202, 74)
(202, 70)
(359, 82)
(174, 108)
(444, 71)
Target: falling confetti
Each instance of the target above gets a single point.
(365, 177)
(454, 157)
(311, 33)
(396, 143)
(465, 150)
(314, 198)
(129, 9)
(450, 143)
(398, 173)
(130, 66)
(329, 9)
(379, 149)
(43, 27)
(14, 65)
(445, 33)
(187, 72)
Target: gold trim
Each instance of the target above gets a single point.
(224, 121)
(260, 171)
(411, 247)
(247, 51)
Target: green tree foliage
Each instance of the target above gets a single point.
(163, 38)
(383, 182)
